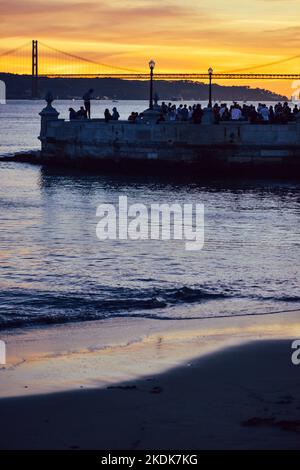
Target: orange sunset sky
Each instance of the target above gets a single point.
(181, 35)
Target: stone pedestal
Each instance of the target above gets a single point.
(47, 114)
(208, 116)
(151, 115)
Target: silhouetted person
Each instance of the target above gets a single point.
(87, 102)
(295, 111)
(72, 114)
(197, 114)
(216, 113)
(271, 115)
(253, 115)
(82, 113)
(184, 113)
(107, 115)
(226, 114)
(132, 117)
(115, 114)
(164, 108)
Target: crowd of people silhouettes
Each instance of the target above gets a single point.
(261, 114)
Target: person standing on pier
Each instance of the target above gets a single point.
(87, 102)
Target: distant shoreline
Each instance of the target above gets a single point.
(19, 87)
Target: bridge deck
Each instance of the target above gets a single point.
(183, 76)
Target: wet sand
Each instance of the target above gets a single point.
(102, 353)
(230, 385)
(245, 397)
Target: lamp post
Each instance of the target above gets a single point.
(210, 72)
(151, 65)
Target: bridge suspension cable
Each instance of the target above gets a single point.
(89, 61)
(16, 60)
(16, 49)
(269, 64)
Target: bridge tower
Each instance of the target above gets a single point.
(34, 72)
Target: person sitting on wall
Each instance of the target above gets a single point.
(271, 115)
(82, 113)
(115, 114)
(179, 113)
(253, 115)
(107, 115)
(173, 113)
(164, 108)
(264, 113)
(222, 110)
(287, 113)
(295, 112)
(216, 113)
(197, 114)
(236, 112)
(278, 112)
(226, 115)
(72, 114)
(245, 112)
(132, 117)
(185, 113)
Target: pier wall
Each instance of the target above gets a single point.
(203, 145)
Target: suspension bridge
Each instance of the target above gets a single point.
(42, 60)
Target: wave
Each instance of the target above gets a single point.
(25, 307)
(283, 298)
(20, 307)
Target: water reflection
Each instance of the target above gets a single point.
(54, 269)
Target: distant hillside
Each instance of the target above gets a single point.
(19, 87)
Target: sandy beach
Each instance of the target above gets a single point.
(230, 384)
(244, 397)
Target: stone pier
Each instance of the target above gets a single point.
(227, 146)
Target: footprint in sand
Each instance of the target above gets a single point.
(156, 390)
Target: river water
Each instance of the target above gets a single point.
(53, 269)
